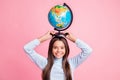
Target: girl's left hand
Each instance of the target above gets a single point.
(70, 36)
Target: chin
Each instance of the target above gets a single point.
(58, 57)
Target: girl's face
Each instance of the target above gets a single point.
(58, 49)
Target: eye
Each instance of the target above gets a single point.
(54, 47)
(62, 47)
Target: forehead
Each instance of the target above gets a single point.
(58, 43)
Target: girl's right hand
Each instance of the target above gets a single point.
(46, 36)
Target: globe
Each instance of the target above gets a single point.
(60, 17)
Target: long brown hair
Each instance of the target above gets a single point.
(65, 64)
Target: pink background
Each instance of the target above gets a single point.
(97, 22)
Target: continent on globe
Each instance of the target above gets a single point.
(60, 17)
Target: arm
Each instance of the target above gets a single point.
(39, 60)
(82, 56)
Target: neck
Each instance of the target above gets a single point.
(58, 59)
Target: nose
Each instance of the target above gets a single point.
(58, 50)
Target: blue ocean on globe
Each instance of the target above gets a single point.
(60, 17)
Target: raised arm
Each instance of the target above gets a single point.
(29, 48)
(82, 56)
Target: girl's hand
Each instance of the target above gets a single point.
(70, 36)
(46, 36)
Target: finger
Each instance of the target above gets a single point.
(51, 34)
(66, 34)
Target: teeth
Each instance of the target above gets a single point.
(58, 54)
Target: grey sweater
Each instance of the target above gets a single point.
(57, 70)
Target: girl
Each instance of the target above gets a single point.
(57, 66)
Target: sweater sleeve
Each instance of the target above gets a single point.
(82, 56)
(39, 60)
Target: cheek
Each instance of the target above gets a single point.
(53, 51)
(64, 51)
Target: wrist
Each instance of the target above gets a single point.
(74, 39)
(42, 39)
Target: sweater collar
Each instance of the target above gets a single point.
(58, 60)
